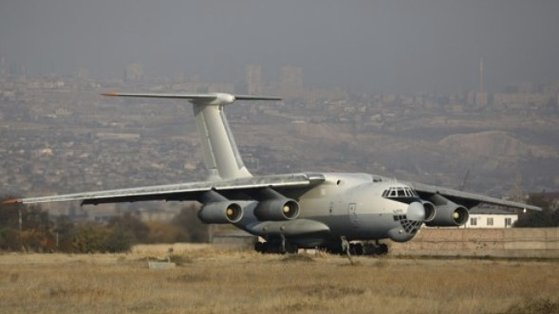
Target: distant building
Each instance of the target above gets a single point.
(521, 100)
(133, 72)
(2, 67)
(221, 88)
(291, 81)
(83, 74)
(254, 79)
(482, 99)
(490, 218)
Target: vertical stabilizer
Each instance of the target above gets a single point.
(221, 155)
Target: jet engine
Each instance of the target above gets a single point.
(448, 213)
(430, 211)
(277, 209)
(421, 211)
(221, 213)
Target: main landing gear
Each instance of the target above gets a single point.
(368, 248)
(358, 248)
(276, 246)
(282, 246)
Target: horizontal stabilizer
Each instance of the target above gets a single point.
(221, 155)
(210, 99)
(251, 97)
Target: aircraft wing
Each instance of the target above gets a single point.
(242, 188)
(467, 199)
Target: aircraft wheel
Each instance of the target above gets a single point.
(259, 247)
(383, 249)
(369, 249)
(291, 248)
(356, 249)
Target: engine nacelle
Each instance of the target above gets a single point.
(448, 213)
(430, 211)
(221, 213)
(277, 209)
(449, 216)
(421, 211)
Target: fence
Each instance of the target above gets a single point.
(510, 242)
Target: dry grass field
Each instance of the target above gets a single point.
(210, 280)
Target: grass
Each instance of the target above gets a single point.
(210, 280)
(534, 306)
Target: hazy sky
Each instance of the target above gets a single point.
(391, 45)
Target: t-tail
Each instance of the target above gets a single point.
(221, 155)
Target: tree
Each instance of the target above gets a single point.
(131, 225)
(25, 227)
(37, 232)
(10, 239)
(93, 237)
(119, 240)
(64, 230)
(90, 238)
(162, 232)
(547, 217)
(41, 233)
(188, 221)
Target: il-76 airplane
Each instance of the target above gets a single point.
(296, 210)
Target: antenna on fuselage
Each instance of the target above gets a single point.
(221, 155)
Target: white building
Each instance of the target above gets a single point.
(490, 218)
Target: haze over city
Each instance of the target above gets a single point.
(373, 46)
(386, 87)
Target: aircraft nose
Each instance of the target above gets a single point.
(416, 211)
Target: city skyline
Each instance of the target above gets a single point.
(287, 80)
(391, 46)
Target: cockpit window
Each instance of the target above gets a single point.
(399, 192)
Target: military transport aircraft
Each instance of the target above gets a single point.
(296, 210)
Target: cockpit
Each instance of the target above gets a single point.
(399, 192)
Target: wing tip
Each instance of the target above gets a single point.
(12, 201)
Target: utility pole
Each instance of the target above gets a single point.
(481, 77)
(482, 101)
(20, 220)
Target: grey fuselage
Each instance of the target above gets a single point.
(345, 204)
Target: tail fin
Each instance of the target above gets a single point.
(221, 155)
